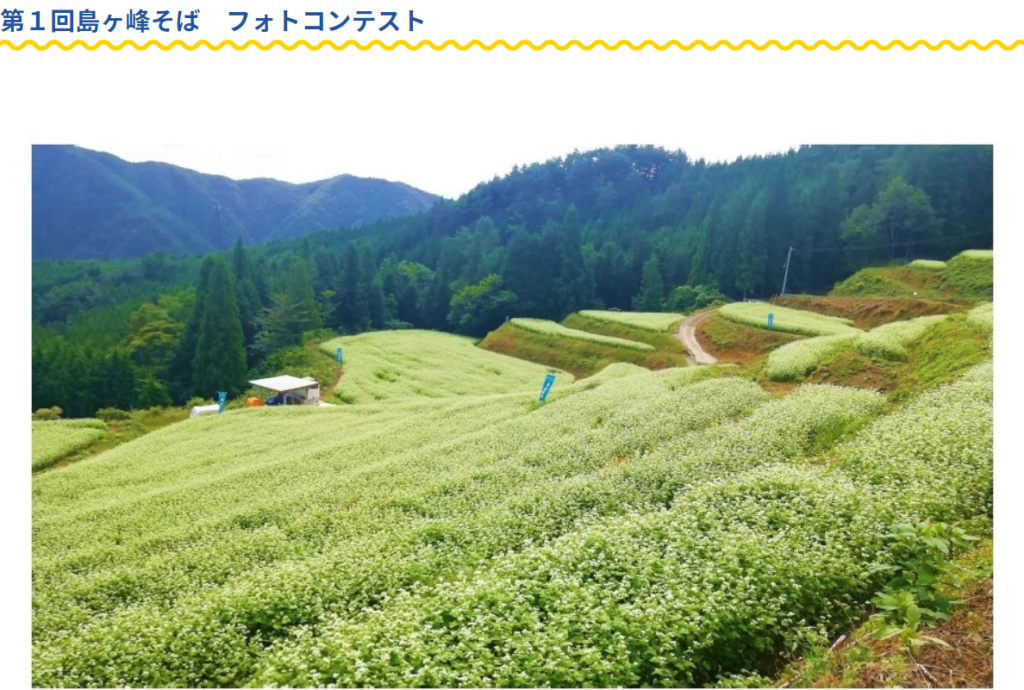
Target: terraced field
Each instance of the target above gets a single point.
(785, 319)
(557, 330)
(642, 528)
(648, 321)
(393, 365)
(52, 441)
(435, 541)
(967, 276)
(888, 342)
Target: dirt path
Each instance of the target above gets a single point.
(688, 337)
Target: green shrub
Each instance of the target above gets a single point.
(47, 413)
(112, 414)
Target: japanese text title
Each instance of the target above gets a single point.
(168, 21)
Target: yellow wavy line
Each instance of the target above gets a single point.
(515, 46)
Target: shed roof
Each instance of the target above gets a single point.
(284, 384)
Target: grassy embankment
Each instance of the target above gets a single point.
(584, 357)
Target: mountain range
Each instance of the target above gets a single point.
(92, 205)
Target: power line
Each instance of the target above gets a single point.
(887, 246)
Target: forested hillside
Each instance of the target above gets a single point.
(626, 228)
(87, 204)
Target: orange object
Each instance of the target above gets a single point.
(254, 402)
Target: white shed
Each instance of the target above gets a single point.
(291, 390)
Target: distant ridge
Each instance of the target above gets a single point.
(92, 205)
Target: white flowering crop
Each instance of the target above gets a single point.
(890, 340)
(784, 319)
(645, 320)
(616, 370)
(639, 529)
(550, 328)
(171, 553)
(927, 265)
(934, 455)
(750, 554)
(652, 597)
(981, 317)
(389, 365)
(57, 439)
(977, 254)
(793, 361)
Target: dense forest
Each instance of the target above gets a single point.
(627, 228)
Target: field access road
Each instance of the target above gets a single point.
(688, 337)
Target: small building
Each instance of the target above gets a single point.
(290, 390)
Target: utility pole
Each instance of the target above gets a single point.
(785, 276)
(220, 233)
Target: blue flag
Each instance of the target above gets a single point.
(549, 381)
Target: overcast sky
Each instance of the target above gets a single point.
(446, 170)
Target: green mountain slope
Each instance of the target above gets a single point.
(87, 204)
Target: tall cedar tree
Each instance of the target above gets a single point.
(249, 304)
(300, 293)
(219, 361)
(652, 288)
(180, 374)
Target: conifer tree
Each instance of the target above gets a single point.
(300, 293)
(219, 363)
(180, 372)
(249, 304)
(652, 288)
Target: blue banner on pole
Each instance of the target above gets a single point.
(339, 355)
(771, 320)
(222, 398)
(549, 381)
